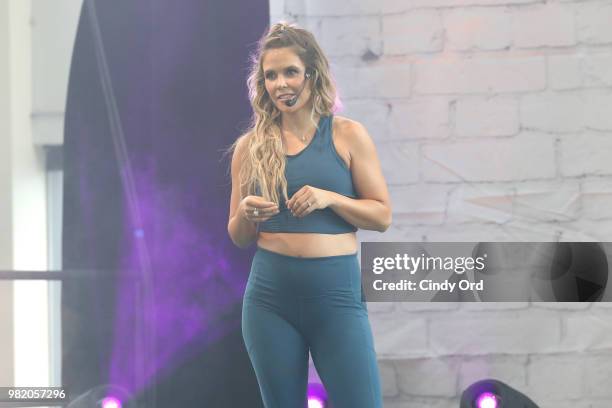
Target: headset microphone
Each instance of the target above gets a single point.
(293, 101)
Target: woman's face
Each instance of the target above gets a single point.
(284, 74)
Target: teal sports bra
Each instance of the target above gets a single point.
(317, 165)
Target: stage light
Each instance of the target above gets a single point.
(487, 400)
(317, 396)
(314, 402)
(103, 396)
(111, 402)
(494, 394)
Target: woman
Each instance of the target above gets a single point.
(303, 181)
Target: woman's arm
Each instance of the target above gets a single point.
(372, 210)
(242, 231)
(362, 213)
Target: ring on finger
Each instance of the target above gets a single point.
(256, 212)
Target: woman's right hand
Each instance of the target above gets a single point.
(256, 209)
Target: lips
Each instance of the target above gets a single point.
(285, 97)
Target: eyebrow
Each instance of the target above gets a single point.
(288, 67)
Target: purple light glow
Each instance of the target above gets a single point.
(314, 402)
(111, 402)
(317, 396)
(180, 262)
(486, 400)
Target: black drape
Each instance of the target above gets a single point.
(156, 94)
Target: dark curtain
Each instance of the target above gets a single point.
(156, 94)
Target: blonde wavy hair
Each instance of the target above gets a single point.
(263, 163)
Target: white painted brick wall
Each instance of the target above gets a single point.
(419, 118)
(341, 36)
(487, 116)
(581, 71)
(593, 22)
(427, 306)
(420, 402)
(587, 331)
(586, 230)
(479, 203)
(388, 378)
(565, 72)
(480, 232)
(399, 6)
(399, 334)
(277, 10)
(528, 156)
(597, 114)
(428, 377)
(493, 122)
(586, 154)
(419, 204)
(503, 331)
(567, 111)
(597, 70)
(555, 377)
(597, 374)
(478, 28)
(596, 199)
(474, 306)
(479, 75)
(333, 8)
(374, 114)
(554, 112)
(390, 154)
(509, 369)
(372, 81)
(417, 31)
(550, 24)
(547, 201)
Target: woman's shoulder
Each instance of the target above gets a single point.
(243, 140)
(344, 123)
(349, 130)
(240, 147)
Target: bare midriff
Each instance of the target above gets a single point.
(308, 245)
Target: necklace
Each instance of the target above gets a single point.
(303, 138)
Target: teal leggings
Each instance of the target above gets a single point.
(295, 305)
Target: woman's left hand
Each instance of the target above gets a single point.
(307, 199)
